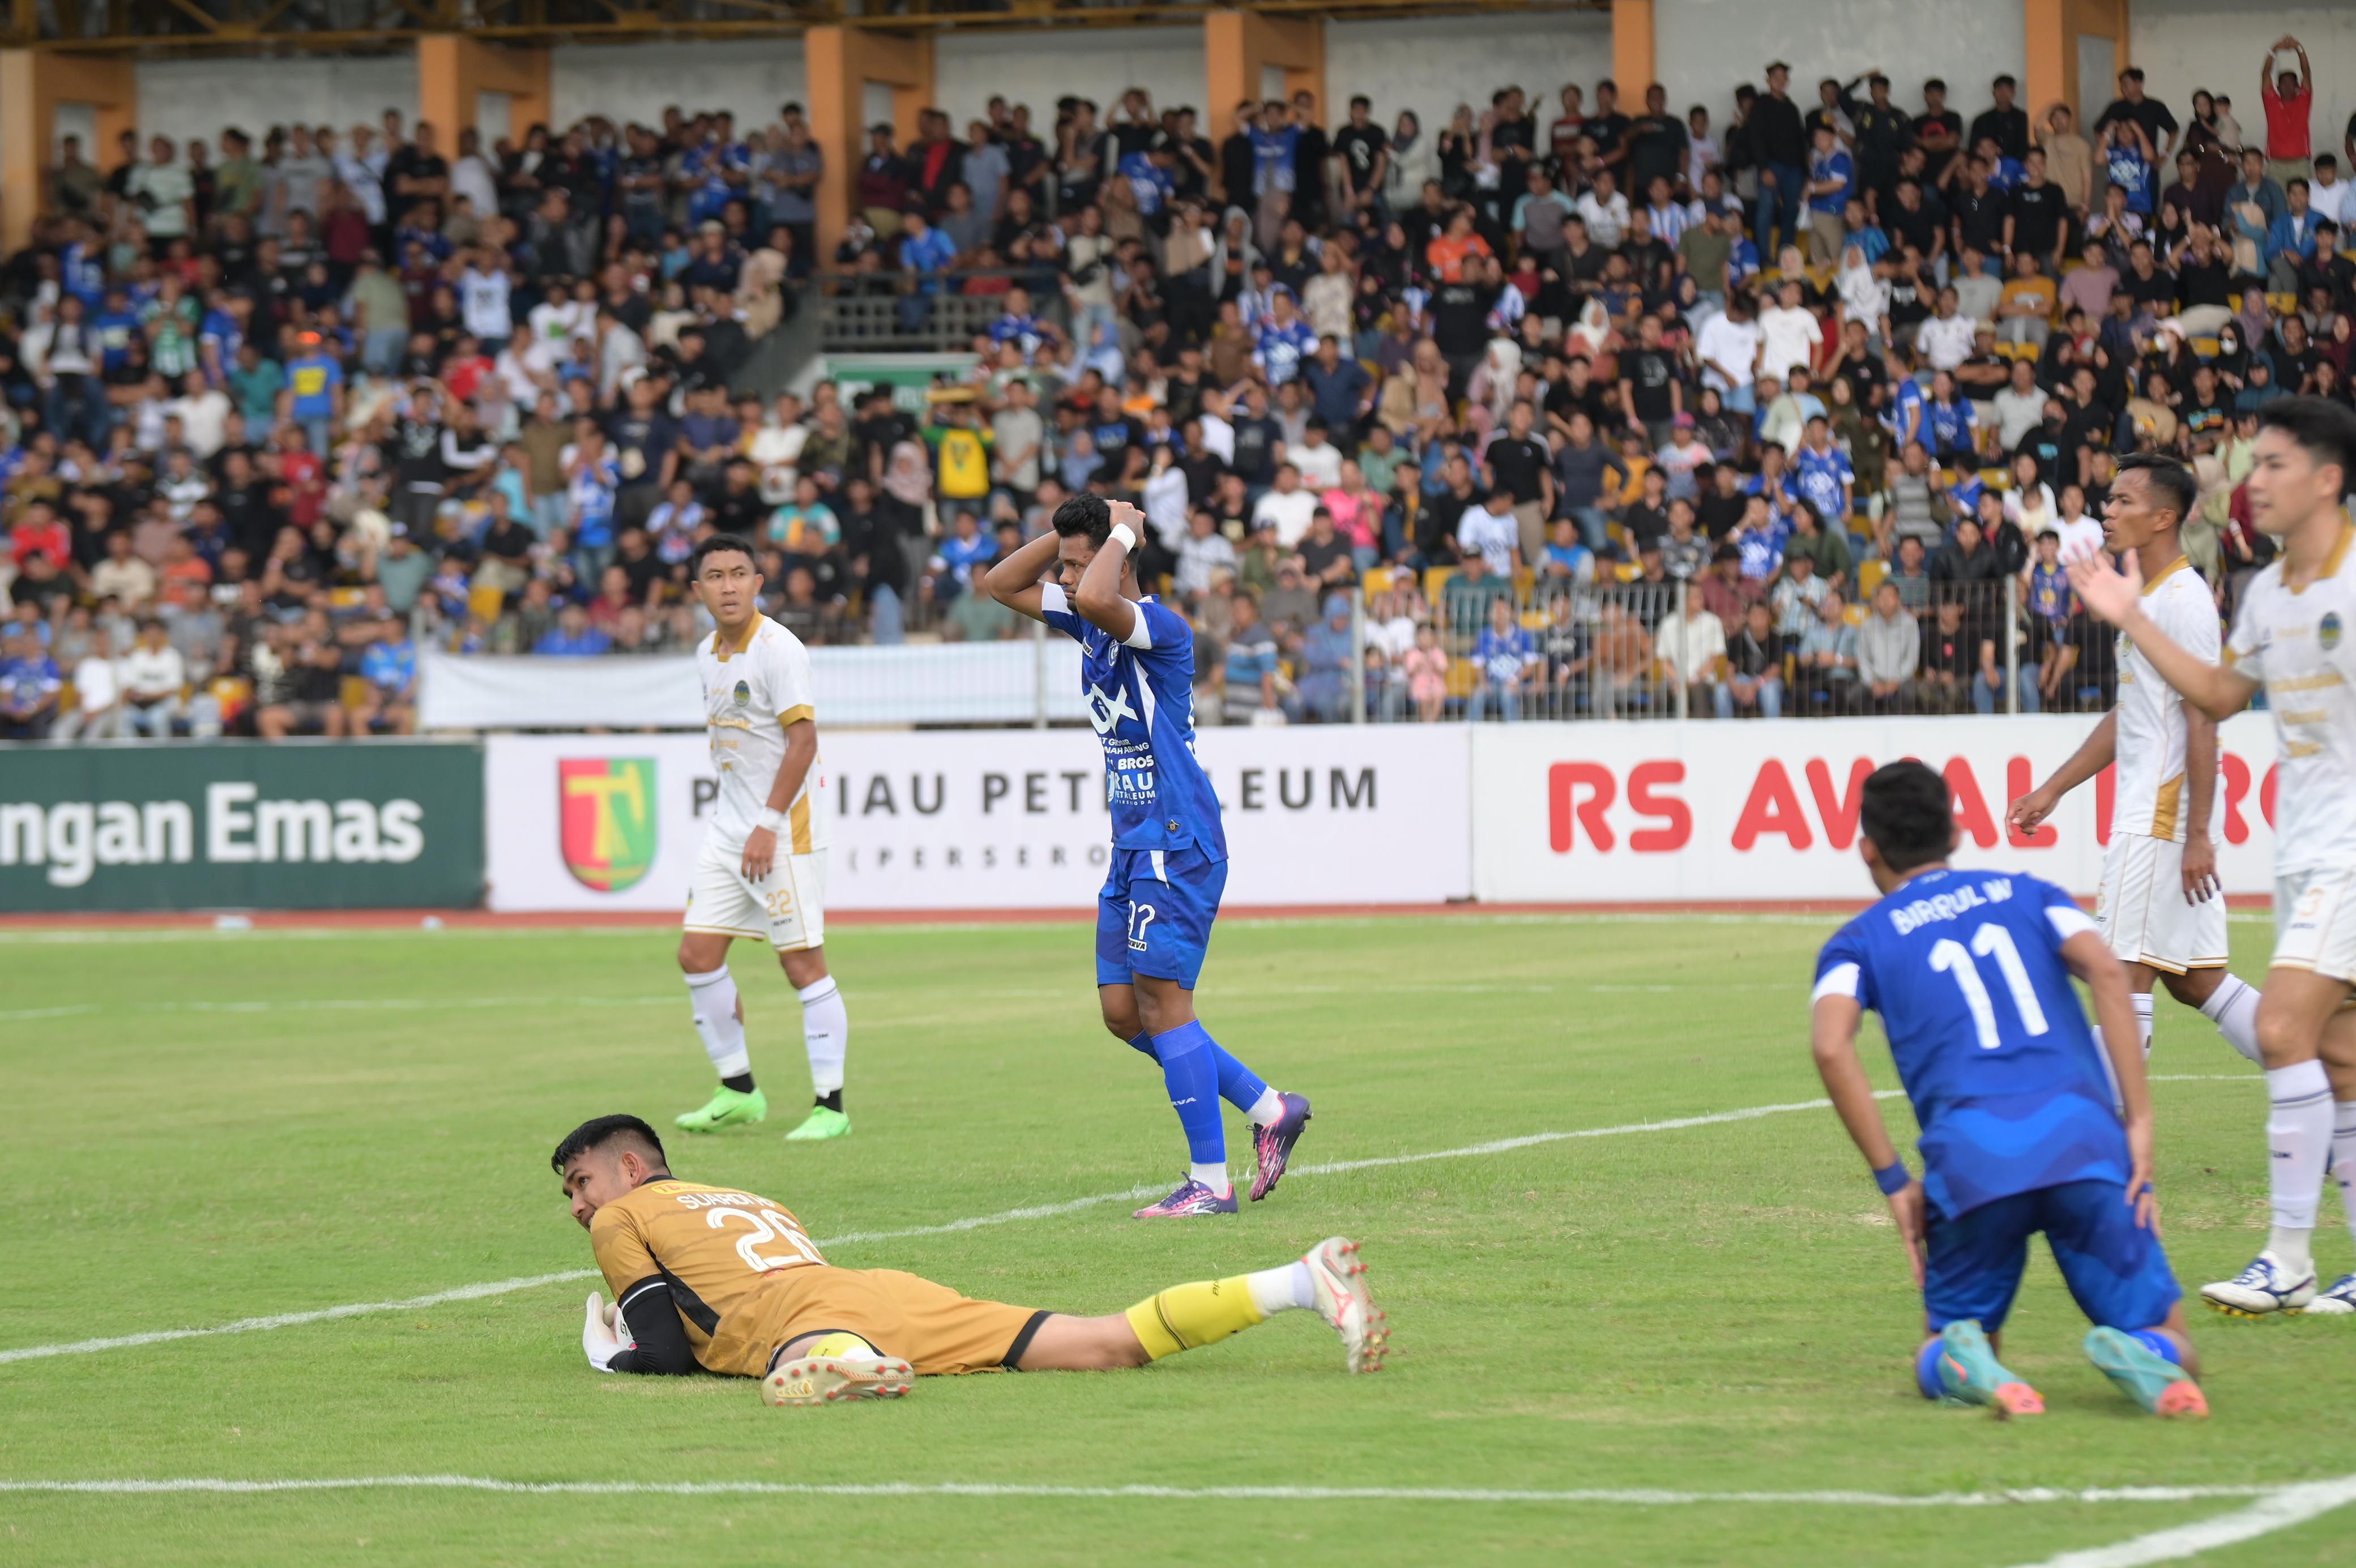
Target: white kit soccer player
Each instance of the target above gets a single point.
(2159, 908)
(2293, 637)
(762, 871)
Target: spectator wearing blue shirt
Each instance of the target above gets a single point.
(315, 392)
(116, 323)
(1249, 678)
(1339, 386)
(1950, 431)
(389, 666)
(2290, 239)
(1822, 474)
(1284, 340)
(2126, 161)
(30, 687)
(927, 253)
(572, 637)
(1505, 662)
(1273, 145)
(1832, 175)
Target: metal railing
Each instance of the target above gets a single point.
(900, 311)
(1493, 650)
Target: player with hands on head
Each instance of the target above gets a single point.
(1970, 972)
(2159, 905)
(1169, 863)
(2294, 637)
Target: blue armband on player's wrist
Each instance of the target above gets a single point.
(1892, 1178)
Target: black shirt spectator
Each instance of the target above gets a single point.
(1516, 464)
(2038, 212)
(1776, 136)
(2009, 128)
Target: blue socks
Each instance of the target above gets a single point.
(2159, 1345)
(1926, 1370)
(1238, 1085)
(1190, 1071)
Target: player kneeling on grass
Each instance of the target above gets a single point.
(714, 1279)
(1970, 972)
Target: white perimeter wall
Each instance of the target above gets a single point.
(2218, 44)
(635, 82)
(185, 98)
(968, 68)
(1432, 64)
(1706, 47)
(1428, 64)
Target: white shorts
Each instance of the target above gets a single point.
(2315, 923)
(787, 907)
(2142, 911)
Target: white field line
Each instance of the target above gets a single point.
(2278, 1511)
(426, 1004)
(2270, 1496)
(972, 1222)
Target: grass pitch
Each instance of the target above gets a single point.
(206, 1128)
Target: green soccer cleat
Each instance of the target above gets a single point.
(1969, 1373)
(2151, 1380)
(820, 1122)
(727, 1108)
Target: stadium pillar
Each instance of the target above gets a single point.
(842, 63)
(1631, 47)
(454, 72)
(33, 84)
(2058, 33)
(1240, 48)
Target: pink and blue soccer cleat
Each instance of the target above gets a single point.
(1191, 1199)
(1273, 1144)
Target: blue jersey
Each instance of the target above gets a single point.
(1820, 477)
(1965, 970)
(1140, 696)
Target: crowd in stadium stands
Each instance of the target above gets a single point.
(1595, 408)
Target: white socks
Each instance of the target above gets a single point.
(1214, 1177)
(2299, 1136)
(2233, 1006)
(825, 1032)
(1275, 1290)
(713, 997)
(2344, 1159)
(1268, 1110)
(2142, 1001)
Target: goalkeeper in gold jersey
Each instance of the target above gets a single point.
(714, 1279)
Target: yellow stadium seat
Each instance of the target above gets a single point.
(1461, 678)
(1434, 580)
(1378, 580)
(484, 602)
(354, 692)
(1625, 571)
(1869, 575)
(347, 598)
(2282, 304)
(1853, 613)
(2206, 348)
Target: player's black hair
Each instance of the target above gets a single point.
(1084, 516)
(2324, 428)
(721, 544)
(1909, 814)
(599, 1131)
(2172, 482)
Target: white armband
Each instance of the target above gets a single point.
(1126, 535)
(774, 821)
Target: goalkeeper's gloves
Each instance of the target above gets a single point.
(601, 1333)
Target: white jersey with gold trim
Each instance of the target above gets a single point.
(2150, 792)
(2300, 644)
(752, 692)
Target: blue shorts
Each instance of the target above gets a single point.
(1153, 917)
(2116, 1273)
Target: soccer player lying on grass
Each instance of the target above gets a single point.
(1970, 972)
(723, 1281)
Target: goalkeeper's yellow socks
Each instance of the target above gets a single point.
(1188, 1317)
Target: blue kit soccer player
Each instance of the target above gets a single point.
(1169, 851)
(1970, 972)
